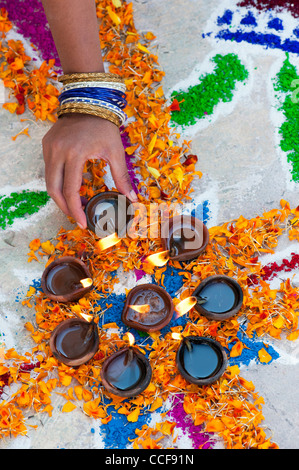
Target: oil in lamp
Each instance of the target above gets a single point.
(127, 372)
(66, 279)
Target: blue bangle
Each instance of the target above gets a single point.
(119, 103)
(116, 97)
(98, 92)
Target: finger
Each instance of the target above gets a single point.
(121, 177)
(71, 190)
(54, 182)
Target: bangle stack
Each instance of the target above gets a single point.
(98, 94)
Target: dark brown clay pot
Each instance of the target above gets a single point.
(137, 388)
(75, 270)
(236, 288)
(180, 249)
(98, 219)
(215, 346)
(74, 341)
(150, 321)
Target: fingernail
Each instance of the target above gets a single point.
(80, 226)
(133, 196)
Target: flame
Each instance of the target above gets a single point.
(131, 338)
(158, 259)
(177, 336)
(141, 308)
(86, 317)
(185, 305)
(109, 241)
(86, 282)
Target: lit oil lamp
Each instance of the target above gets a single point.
(185, 237)
(108, 213)
(127, 372)
(201, 360)
(148, 308)
(219, 297)
(75, 340)
(66, 279)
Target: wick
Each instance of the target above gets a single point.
(188, 344)
(89, 333)
(172, 252)
(201, 300)
(129, 357)
(81, 284)
(76, 286)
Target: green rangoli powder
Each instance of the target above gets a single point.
(19, 205)
(201, 99)
(286, 83)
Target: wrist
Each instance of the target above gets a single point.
(90, 65)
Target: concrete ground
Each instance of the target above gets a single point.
(244, 172)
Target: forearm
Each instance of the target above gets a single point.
(75, 31)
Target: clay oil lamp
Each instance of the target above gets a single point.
(184, 236)
(218, 297)
(201, 360)
(148, 308)
(75, 340)
(126, 373)
(108, 213)
(66, 279)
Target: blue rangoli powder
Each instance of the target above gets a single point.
(119, 431)
(226, 18)
(276, 24)
(172, 280)
(249, 20)
(36, 283)
(113, 314)
(296, 32)
(268, 40)
(271, 41)
(202, 212)
(250, 352)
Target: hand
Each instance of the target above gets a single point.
(73, 140)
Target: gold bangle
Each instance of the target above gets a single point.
(88, 109)
(101, 77)
(83, 108)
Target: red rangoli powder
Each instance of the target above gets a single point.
(277, 5)
(271, 270)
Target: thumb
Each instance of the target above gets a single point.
(121, 177)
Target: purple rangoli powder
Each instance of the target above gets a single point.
(30, 21)
(129, 158)
(139, 273)
(200, 439)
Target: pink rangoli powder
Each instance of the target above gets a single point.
(199, 438)
(30, 21)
